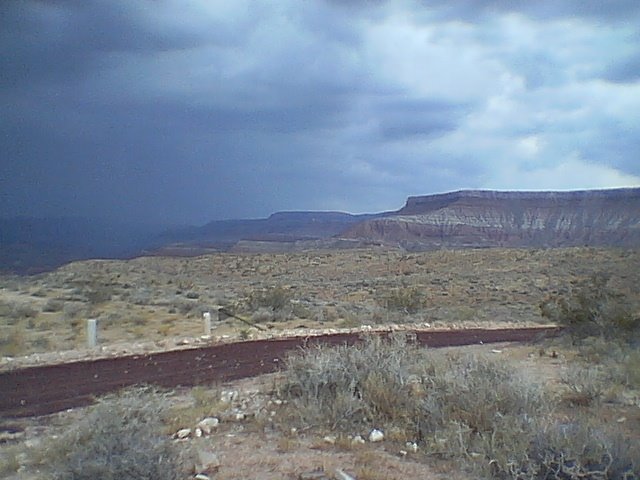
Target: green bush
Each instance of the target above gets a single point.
(406, 299)
(591, 308)
(120, 439)
(275, 298)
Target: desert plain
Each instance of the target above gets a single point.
(162, 299)
(157, 303)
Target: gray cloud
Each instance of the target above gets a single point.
(184, 112)
(617, 11)
(626, 70)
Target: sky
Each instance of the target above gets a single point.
(186, 111)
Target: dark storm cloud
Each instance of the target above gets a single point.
(51, 41)
(617, 10)
(405, 119)
(188, 111)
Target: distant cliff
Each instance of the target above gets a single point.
(468, 218)
(278, 227)
(479, 218)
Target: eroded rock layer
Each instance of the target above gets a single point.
(478, 218)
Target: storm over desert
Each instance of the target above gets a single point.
(319, 240)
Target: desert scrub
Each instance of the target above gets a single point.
(274, 298)
(592, 308)
(404, 299)
(570, 451)
(14, 342)
(121, 438)
(617, 360)
(394, 382)
(585, 384)
(350, 385)
(16, 311)
(53, 305)
(468, 408)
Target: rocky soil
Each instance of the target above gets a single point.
(156, 303)
(241, 430)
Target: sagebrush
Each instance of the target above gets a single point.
(122, 438)
(592, 307)
(463, 407)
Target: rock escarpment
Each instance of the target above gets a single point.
(479, 218)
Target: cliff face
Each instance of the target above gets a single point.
(511, 219)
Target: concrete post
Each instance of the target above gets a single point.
(92, 332)
(207, 323)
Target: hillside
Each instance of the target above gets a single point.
(477, 218)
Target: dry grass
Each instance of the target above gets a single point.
(135, 300)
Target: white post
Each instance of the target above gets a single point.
(207, 323)
(92, 332)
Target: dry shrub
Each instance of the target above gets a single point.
(120, 439)
(586, 384)
(14, 342)
(592, 308)
(404, 299)
(574, 451)
(617, 360)
(15, 311)
(53, 305)
(463, 407)
(274, 298)
(475, 391)
(350, 385)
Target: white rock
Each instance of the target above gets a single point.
(208, 424)
(201, 476)
(402, 453)
(228, 396)
(376, 435)
(198, 432)
(412, 446)
(330, 439)
(496, 351)
(183, 433)
(357, 440)
(208, 462)
(341, 475)
(238, 417)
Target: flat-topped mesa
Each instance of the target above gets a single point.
(426, 203)
(480, 218)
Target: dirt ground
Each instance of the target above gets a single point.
(260, 447)
(157, 303)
